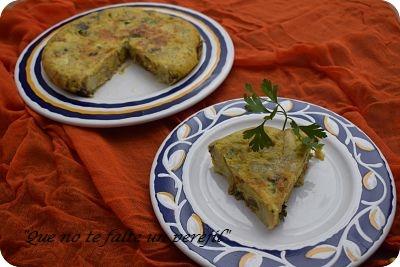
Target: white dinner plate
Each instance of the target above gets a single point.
(132, 96)
(339, 217)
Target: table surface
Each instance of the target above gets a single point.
(59, 179)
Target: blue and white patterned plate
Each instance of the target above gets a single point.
(338, 218)
(134, 95)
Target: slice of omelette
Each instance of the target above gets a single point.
(84, 54)
(263, 179)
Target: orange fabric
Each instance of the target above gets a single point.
(54, 178)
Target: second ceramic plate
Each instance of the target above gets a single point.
(134, 95)
(338, 218)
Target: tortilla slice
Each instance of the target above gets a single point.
(263, 179)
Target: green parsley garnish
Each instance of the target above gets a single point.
(309, 135)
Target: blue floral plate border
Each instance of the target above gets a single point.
(349, 246)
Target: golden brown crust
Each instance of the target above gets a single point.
(85, 53)
(263, 179)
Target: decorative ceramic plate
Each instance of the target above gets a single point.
(133, 96)
(338, 218)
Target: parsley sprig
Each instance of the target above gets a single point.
(309, 135)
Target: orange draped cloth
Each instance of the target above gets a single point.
(55, 178)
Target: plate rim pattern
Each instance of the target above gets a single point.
(324, 253)
(158, 108)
